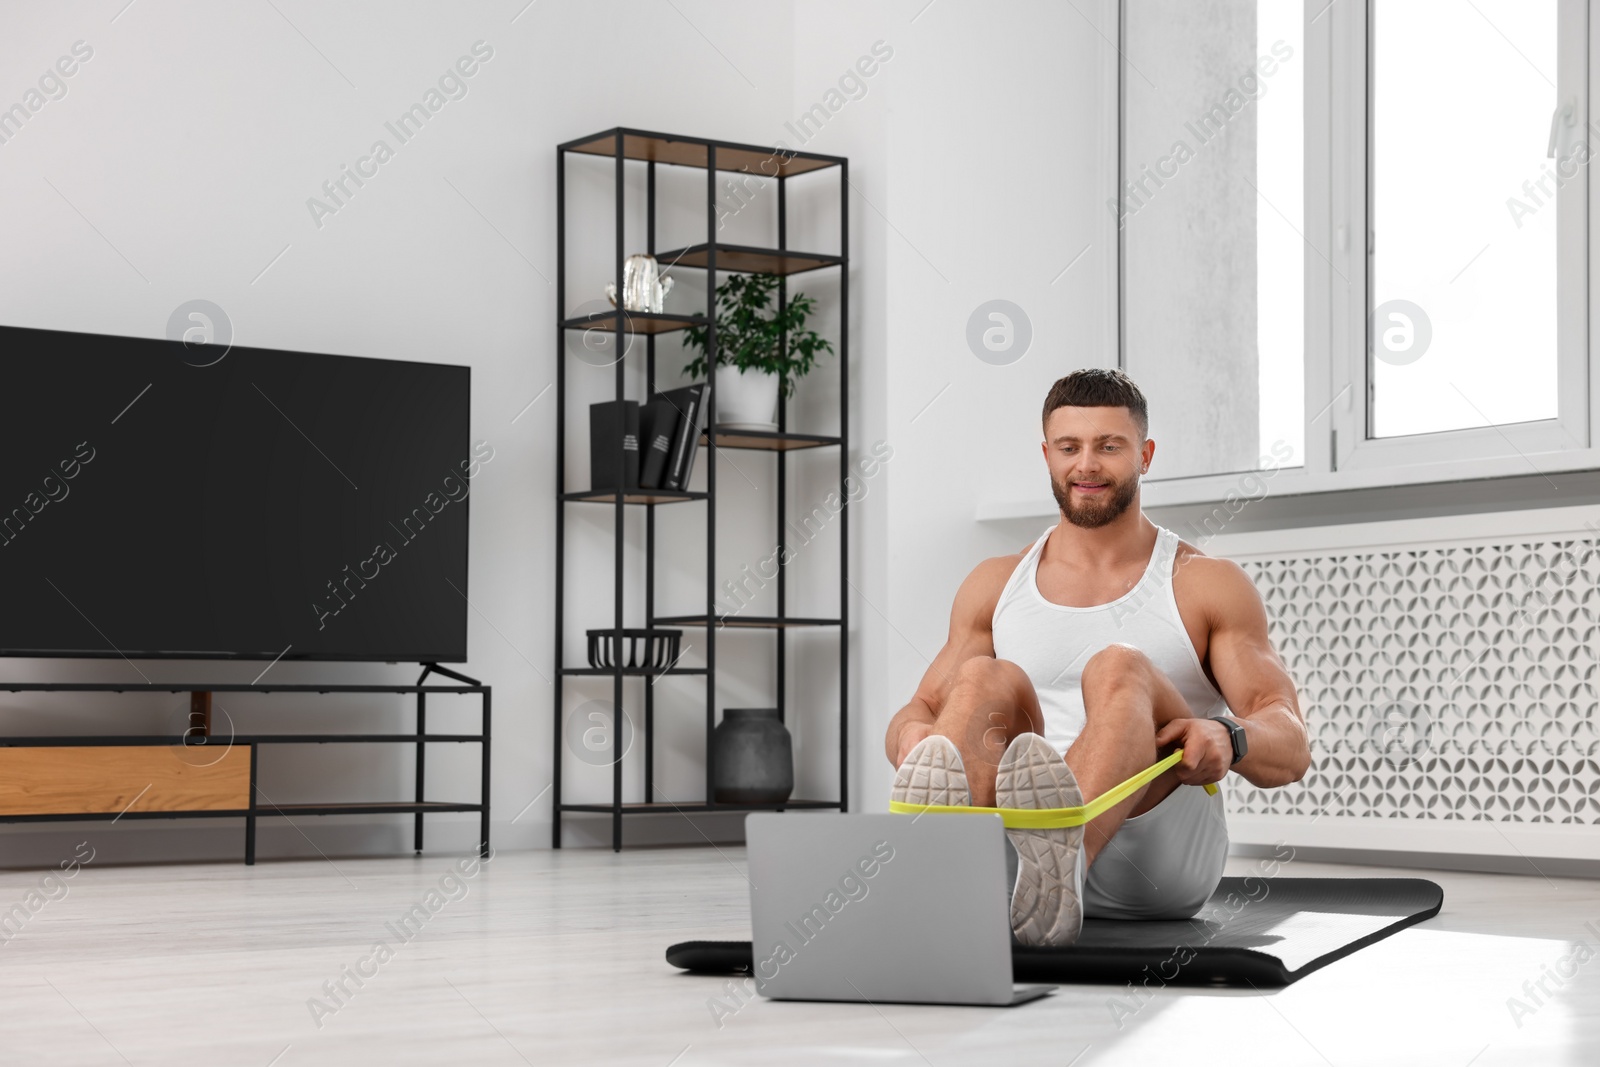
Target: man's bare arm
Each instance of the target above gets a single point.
(971, 618)
(1255, 683)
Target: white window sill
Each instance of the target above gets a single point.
(1535, 480)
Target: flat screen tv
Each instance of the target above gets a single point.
(268, 504)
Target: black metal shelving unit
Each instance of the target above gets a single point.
(712, 156)
(254, 809)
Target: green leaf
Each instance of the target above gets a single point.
(754, 335)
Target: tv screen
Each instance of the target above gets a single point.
(267, 504)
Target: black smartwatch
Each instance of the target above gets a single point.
(1236, 735)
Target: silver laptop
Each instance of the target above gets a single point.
(881, 908)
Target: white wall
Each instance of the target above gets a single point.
(831, 38)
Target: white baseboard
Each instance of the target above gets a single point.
(1419, 839)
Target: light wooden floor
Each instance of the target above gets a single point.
(556, 958)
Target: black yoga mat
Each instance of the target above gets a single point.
(1253, 931)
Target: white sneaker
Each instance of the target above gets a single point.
(932, 774)
(1047, 902)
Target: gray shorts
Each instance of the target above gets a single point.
(1163, 864)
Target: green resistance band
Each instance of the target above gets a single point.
(1053, 818)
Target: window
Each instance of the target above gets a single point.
(1465, 208)
(1457, 339)
(1452, 342)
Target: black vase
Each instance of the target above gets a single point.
(753, 757)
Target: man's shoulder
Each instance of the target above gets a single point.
(1216, 581)
(1191, 554)
(993, 573)
(987, 580)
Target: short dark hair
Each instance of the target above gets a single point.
(1099, 387)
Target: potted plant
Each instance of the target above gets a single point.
(760, 349)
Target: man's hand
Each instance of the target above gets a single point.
(1207, 749)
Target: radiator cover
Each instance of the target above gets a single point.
(1448, 683)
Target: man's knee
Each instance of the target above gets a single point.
(981, 668)
(991, 674)
(1117, 664)
(1003, 680)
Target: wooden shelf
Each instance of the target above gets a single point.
(634, 322)
(753, 622)
(609, 671)
(768, 440)
(697, 806)
(685, 152)
(633, 496)
(220, 742)
(748, 260)
(114, 779)
(381, 807)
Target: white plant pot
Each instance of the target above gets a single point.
(746, 400)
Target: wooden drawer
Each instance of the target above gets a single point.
(115, 778)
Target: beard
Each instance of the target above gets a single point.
(1098, 510)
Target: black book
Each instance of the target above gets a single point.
(657, 421)
(686, 437)
(614, 445)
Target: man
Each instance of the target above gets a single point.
(1110, 642)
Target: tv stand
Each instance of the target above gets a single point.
(137, 776)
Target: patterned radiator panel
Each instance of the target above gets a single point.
(1441, 682)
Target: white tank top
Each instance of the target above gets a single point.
(1052, 642)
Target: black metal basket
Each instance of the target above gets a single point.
(636, 649)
